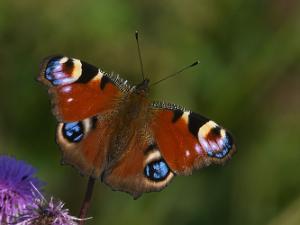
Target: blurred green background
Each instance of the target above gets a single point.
(248, 81)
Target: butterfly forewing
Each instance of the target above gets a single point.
(188, 140)
(79, 90)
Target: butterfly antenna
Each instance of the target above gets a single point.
(139, 53)
(176, 73)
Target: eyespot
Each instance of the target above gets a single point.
(53, 66)
(54, 71)
(227, 144)
(157, 170)
(73, 131)
(62, 70)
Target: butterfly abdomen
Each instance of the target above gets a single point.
(130, 118)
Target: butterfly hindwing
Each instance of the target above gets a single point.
(84, 144)
(188, 140)
(141, 168)
(79, 90)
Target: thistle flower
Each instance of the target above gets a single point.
(16, 194)
(47, 213)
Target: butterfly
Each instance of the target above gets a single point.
(109, 129)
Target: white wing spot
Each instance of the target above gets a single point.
(63, 59)
(98, 76)
(77, 69)
(187, 153)
(185, 116)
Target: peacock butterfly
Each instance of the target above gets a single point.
(109, 129)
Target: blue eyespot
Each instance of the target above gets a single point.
(157, 170)
(53, 67)
(227, 146)
(73, 131)
(59, 73)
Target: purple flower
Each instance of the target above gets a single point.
(50, 213)
(16, 180)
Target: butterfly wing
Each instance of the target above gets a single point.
(79, 90)
(83, 98)
(84, 143)
(188, 140)
(142, 167)
(174, 142)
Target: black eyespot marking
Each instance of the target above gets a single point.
(88, 72)
(69, 64)
(73, 131)
(104, 81)
(150, 148)
(157, 170)
(94, 122)
(214, 133)
(67, 68)
(195, 122)
(177, 114)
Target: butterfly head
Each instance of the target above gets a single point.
(143, 87)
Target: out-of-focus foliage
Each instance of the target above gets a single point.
(248, 81)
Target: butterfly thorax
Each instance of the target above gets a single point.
(142, 88)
